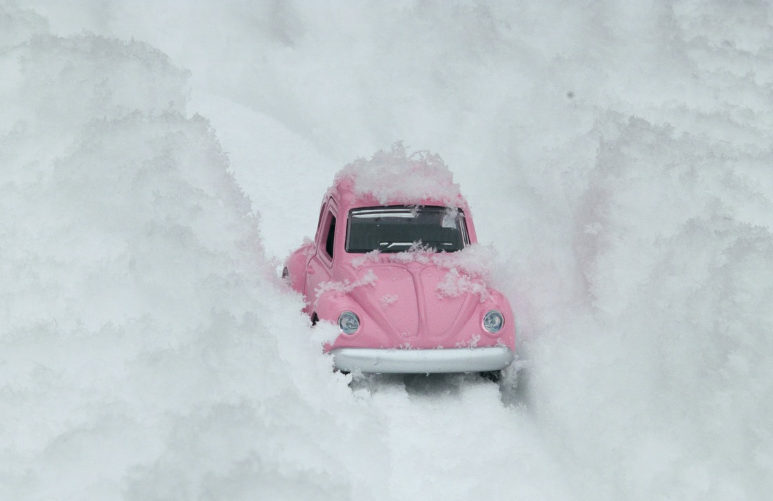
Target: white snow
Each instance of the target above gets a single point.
(468, 271)
(396, 176)
(455, 284)
(344, 287)
(616, 154)
(388, 299)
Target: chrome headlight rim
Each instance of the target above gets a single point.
(493, 322)
(348, 323)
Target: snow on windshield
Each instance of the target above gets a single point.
(396, 176)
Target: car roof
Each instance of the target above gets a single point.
(345, 192)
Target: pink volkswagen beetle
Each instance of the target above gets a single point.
(395, 265)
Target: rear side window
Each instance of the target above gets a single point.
(331, 235)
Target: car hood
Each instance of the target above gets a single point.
(416, 301)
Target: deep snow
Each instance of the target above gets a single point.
(617, 157)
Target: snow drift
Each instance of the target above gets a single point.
(139, 317)
(617, 155)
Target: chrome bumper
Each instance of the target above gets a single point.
(408, 361)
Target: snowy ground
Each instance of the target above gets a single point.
(157, 159)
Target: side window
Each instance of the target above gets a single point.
(330, 240)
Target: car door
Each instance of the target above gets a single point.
(320, 267)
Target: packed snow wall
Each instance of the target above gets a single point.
(616, 156)
(139, 318)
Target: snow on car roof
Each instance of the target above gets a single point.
(396, 177)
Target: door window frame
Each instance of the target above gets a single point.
(327, 216)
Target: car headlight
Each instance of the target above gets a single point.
(493, 321)
(348, 322)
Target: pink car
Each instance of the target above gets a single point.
(394, 264)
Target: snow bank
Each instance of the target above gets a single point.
(662, 376)
(617, 155)
(144, 347)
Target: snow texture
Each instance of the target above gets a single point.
(396, 177)
(344, 287)
(388, 299)
(468, 271)
(157, 159)
(455, 284)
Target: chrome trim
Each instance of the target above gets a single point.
(407, 361)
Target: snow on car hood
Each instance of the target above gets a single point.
(420, 297)
(465, 271)
(406, 300)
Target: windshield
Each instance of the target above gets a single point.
(396, 229)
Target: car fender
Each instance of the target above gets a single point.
(295, 266)
(330, 304)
